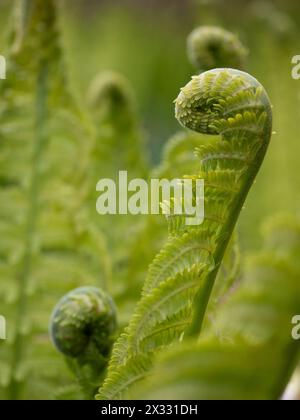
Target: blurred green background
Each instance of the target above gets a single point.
(146, 41)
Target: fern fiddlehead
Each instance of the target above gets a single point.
(241, 114)
(84, 318)
(212, 47)
(83, 327)
(233, 106)
(118, 146)
(208, 47)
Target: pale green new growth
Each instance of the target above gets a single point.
(211, 47)
(251, 353)
(234, 106)
(83, 327)
(48, 246)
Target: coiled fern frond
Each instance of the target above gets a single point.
(83, 327)
(212, 47)
(233, 106)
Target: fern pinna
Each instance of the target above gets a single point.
(46, 247)
(250, 352)
(234, 107)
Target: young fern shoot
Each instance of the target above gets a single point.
(208, 47)
(83, 327)
(211, 47)
(234, 107)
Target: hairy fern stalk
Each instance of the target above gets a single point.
(232, 106)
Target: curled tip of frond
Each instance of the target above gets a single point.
(110, 89)
(83, 320)
(212, 47)
(223, 100)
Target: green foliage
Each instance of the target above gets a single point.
(250, 354)
(82, 327)
(211, 47)
(118, 146)
(46, 247)
(52, 155)
(50, 244)
(235, 107)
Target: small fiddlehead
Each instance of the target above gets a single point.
(233, 106)
(83, 327)
(212, 47)
(84, 319)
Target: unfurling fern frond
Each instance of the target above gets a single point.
(254, 354)
(212, 47)
(47, 245)
(119, 139)
(233, 106)
(178, 157)
(82, 328)
(118, 146)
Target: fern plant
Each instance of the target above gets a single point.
(208, 47)
(212, 47)
(250, 353)
(118, 146)
(47, 244)
(234, 107)
(202, 328)
(82, 328)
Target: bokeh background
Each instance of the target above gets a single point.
(146, 41)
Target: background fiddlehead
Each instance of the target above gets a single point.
(212, 47)
(83, 328)
(234, 106)
(118, 146)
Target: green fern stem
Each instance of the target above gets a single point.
(41, 115)
(23, 8)
(234, 109)
(232, 104)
